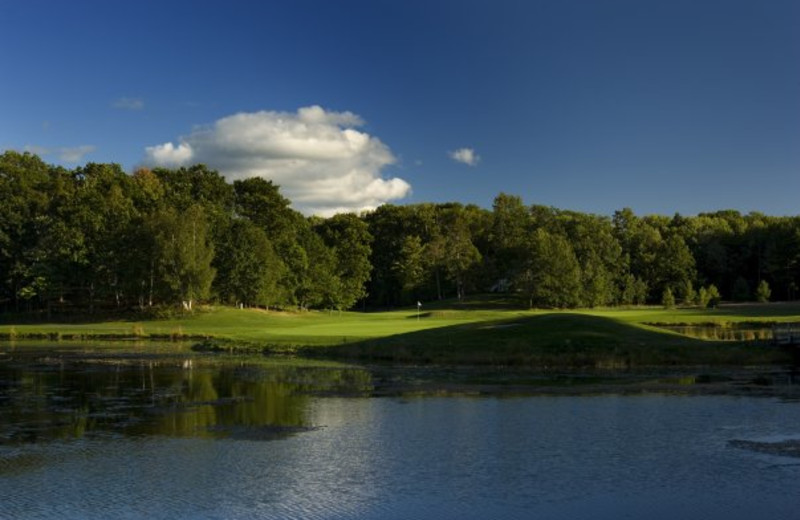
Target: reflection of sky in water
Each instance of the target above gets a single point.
(605, 457)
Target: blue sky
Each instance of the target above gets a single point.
(591, 105)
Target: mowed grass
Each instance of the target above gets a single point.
(290, 328)
(481, 330)
(727, 314)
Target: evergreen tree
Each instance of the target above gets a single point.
(713, 295)
(634, 291)
(668, 299)
(688, 294)
(763, 291)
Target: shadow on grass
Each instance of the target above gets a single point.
(556, 340)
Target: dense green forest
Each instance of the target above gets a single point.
(95, 239)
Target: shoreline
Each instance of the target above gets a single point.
(407, 380)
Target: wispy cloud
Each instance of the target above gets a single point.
(37, 150)
(318, 157)
(129, 103)
(465, 155)
(68, 154)
(75, 154)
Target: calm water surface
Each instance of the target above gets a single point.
(94, 435)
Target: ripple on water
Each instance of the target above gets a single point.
(224, 448)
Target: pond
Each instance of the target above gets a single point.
(135, 433)
(745, 332)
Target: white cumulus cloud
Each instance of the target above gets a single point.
(319, 158)
(168, 154)
(465, 155)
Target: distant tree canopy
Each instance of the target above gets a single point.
(95, 237)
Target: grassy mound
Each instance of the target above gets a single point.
(552, 340)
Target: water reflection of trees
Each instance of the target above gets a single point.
(716, 333)
(57, 401)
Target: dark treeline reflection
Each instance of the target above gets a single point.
(48, 399)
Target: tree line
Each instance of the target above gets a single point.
(96, 238)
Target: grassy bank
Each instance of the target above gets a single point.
(250, 325)
(479, 331)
